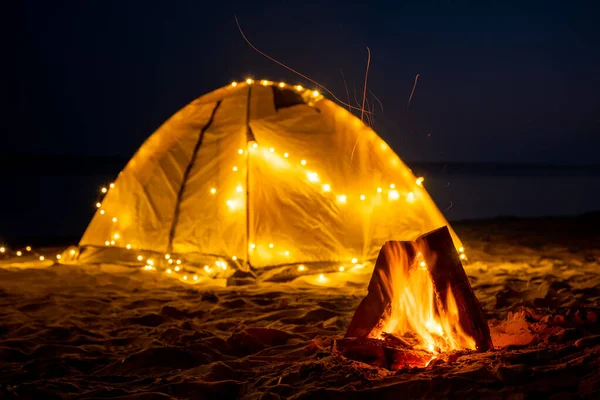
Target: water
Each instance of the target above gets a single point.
(44, 200)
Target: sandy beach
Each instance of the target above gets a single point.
(104, 331)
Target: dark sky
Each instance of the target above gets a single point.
(498, 81)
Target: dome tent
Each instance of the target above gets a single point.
(265, 174)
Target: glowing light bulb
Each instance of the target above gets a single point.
(170, 261)
(177, 269)
(234, 258)
(195, 277)
(271, 245)
(150, 261)
(354, 260)
(207, 268)
(140, 258)
(112, 185)
(98, 205)
(102, 212)
(2, 249)
(232, 204)
(72, 252)
(461, 249)
(112, 242)
(255, 145)
(327, 187)
(392, 186)
(420, 180)
(299, 88)
(167, 256)
(281, 84)
(42, 258)
(114, 219)
(342, 199)
(322, 278)
(178, 262)
(249, 81)
(272, 150)
(104, 190)
(393, 195)
(19, 253)
(301, 268)
(264, 83)
(107, 243)
(213, 191)
(239, 189)
(362, 197)
(423, 264)
(234, 84)
(128, 246)
(383, 146)
(169, 271)
(185, 277)
(286, 155)
(410, 197)
(463, 256)
(342, 268)
(315, 93)
(224, 265)
(235, 168)
(240, 151)
(287, 253)
(313, 176)
(58, 256)
(116, 236)
(379, 190)
(28, 248)
(252, 245)
(303, 162)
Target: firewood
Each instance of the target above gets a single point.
(381, 353)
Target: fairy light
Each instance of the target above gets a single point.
(392, 186)
(169, 271)
(185, 277)
(240, 151)
(195, 277)
(170, 261)
(342, 199)
(107, 243)
(112, 242)
(234, 84)
(287, 253)
(354, 260)
(178, 262)
(254, 145)
(463, 256)
(315, 93)
(140, 258)
(393, 195)
(128, 246)
(383, 146)
(410, 197)
(286, 155)
(271, 245)
(104, 190)
(327, 187)
(422, 264)
(252, 246)
(98, 205)
(72, 252)
(2, 249)
(232, 204)
(150, 261)
(58, 256)
(239, 189)
(234, 258)
(167, 256)
(312, 176)
(101, 212)
(207, 269)
(213, 191)
(264, 82)
(303, 162)
(235, 168)
(461, 249)
(379, 190)
(249, 81)
(271, 150)
(420, 180)
(19, 253)
(281, 84)
(301, 268)
(362, 197)
(322, 278)
(112, 185)
(28, 248)
(342, 268)
(116, 236)
(177, 269)
(42, 258)
(114, 219)
(148, 267)
(299, 88)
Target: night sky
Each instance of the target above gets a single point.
(498, 82)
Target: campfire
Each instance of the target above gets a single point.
(419, 307)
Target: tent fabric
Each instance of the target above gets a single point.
(250, 172)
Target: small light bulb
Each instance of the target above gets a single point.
(393, 195)
(177, 269)
(322, 278)
(178, 262)
(301, 268)
(299, 88)
(116, 236)
(271, 245)
(107, 243)
(234, 258)
(315, 93)
(150, 262)
(104, 190)
(239, 189)
(342, 198)
(362, 197)
(112, 242)
(420, 180)
(383, 146)
(303, 162)
(410, 197)
(102, 212)
(169, 271)
(240, 151)
(392, 186)
(286, 155)
(213, 191)
(342, 268)
(114, 219)
(140, 258)
(128, 246)
(287, 253)
(281, 84)
(72, 252)
(195, 277)
(2, 249)
(379, 190)
(28, 248)
(235, 168)
(207, 268)
(272, 150)
(58, 256)
(423, 264)
(252, 245)
(112, 185)
(264, 83)
(313, 176)
(461, 249)
(167, 256)
(463, 256)
(185, 277)
(19, 253)
(98, 205)
(42, 258)
(170, 261)
(234, 84)
(254, 145)
(354, 260)
(327, 187)
(249, 81)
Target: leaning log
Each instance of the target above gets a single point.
(381, 353)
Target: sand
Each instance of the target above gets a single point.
(85, 332)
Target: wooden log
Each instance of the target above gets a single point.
(447, 273)
(381, 353)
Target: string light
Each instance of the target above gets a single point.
(101, 212)
(341, 268)
(287, 253)
(150, 262)
(281, 84)
(195, 277)
(303, 162)
(2, 249)
(299, 88)
(252, 245)
(116, 236)
(28, 248)
(354, 260)
(177, 269)
(107, 243)
(410, 197)
(148, 267)
(114, 219)
(239, 189)
(104, 190)
(392, 186)
(301, 268)
(342, 199)
(313, 176)
(170, 261)
(463, 256)
(98, 205)
(461, 249)
(178, 262)
(42, 258)
(213, 191)
(272, 150)
(185, 277)
(207, 268)
(271, 245)
(112, 185)
(255, 145)
(235, 168)
(234, 84)
(240, 151)
(234, 258)
(128, 246)
(423, 264)
(264, 83)
(249, 81)
(286, 155)
(72, 252)
(326, 187)
(169, 271)
(232, 204)
(167, 256)
(393, 195)
(112, 242)
(19, 253)
(315, 93)
(420, 180)
(322, 278)
(140, 258)
(379, 190)
(362, 197)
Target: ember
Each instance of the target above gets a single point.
(420, 304)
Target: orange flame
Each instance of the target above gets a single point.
(415, 310)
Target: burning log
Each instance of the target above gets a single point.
(454, 298)
(382, 353)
